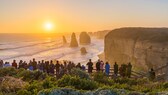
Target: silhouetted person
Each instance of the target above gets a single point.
(51, 67)
(152, 74)
(101, 66)
(83, 68)
(90, 66)
(1, 63)
(107, 68)
(20, 64)
(129, 69)
(115, 69)
(34, 64)
(79, 66)
(124, 69)
(57, 68)
(14, 64)
(98, 66)
(6, 64)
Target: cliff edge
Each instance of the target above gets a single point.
(143, 47)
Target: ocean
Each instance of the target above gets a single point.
(46, 47)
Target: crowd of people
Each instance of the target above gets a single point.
(61, 68)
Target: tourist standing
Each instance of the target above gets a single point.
(101, 66)
(90, 66)
(1, 63)
(57, 68)
(107, 68)
(152, 75)
(98, 66)
(129, 69)
(34, 64)
(14, 64)
(115, 69)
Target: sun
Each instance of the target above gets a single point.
(48, 26)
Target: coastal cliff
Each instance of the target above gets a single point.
(143, 47)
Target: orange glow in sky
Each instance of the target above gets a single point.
(29, 16)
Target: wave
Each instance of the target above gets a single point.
(31, 54)
(28, 45)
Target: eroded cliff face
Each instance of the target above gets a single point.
(143, 47)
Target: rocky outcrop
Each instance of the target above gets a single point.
(144, 47)
(84, 38)
(101, 34)
(64, 40)
(83, 50)
(74, 42)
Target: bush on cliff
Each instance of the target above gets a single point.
(80, 73)
(8, 71)
(77, 83)
(102, 78)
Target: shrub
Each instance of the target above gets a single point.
(49, 83)
(10, 71)
(34, 87)
(77, 83)
(165, 85)
(80, 73)
(11, 84)
(23, 92)
(32, 75)
(102, 78)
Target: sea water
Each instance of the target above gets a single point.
(28, 46)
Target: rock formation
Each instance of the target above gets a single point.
(74, 42)
(64, 40)
(144, 47)
(101, 34)
(83, 50)
(84, 38)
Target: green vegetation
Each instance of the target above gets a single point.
(24, 82)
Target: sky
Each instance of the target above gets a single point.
(31, 16)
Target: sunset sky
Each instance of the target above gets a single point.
(33, 16)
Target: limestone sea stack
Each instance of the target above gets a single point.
(83, 50)
(84, 38)
(143, 47)
(64, 40)
(73, 42)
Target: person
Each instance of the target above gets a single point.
(107, 68)
(69, 67)
(1, 63)
(152, 74)
(83, 68)
(57, 68)
(121, 70)
(52, 67)
(6, 64)
(115, 69)
(79, 66)
(124, 69)
(20, 64)
(129, 69)
(14, 64)
(47, 66)
(101, 66)
(25, 66)
(34, 64)
(98, 66)
(30, 67)
(43, 66)
(90, 66)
